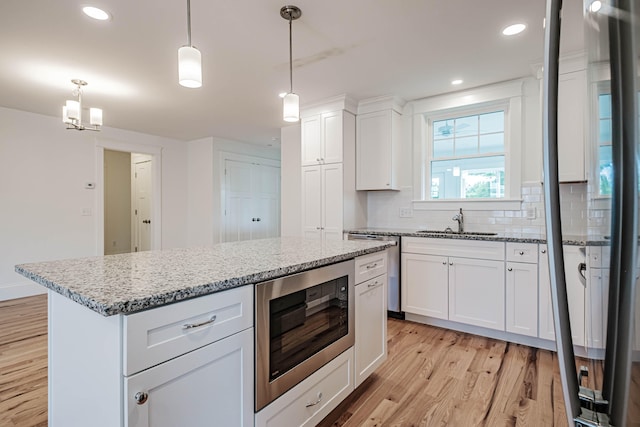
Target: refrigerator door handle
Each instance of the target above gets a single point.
(557, 277)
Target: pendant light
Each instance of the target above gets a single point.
(72, 111)
(189, 59)
(291, 101)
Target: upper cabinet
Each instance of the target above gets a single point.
(378, 138)
(322, 138)
(572, 89)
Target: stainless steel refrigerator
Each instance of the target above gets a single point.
(612, 37)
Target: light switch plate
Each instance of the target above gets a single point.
(406, 213)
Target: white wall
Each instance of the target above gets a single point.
(43, 171)
(291, 185)
(204, 184)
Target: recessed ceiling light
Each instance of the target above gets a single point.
(595, 6)
(282, 94)
(456, 82)
(95, 13)
(514, 29)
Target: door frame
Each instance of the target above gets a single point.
(245, 158)
(155, 152)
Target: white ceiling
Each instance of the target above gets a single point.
(364, 48)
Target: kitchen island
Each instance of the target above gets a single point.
(178, 321)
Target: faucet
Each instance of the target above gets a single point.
(460, 218)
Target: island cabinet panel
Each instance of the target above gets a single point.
(209, 386)
(153, 336)
(476, 292)
(309, 402)
(371, 327)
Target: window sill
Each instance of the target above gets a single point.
(468, 204)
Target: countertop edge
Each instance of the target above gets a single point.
(152, 301)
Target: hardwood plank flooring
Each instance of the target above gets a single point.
(438, 377)
(23, 362)
(432, 377)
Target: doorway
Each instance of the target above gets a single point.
(127, 202)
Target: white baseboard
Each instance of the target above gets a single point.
(20, 290)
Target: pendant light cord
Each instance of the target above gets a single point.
(189, 22)
(290, 58)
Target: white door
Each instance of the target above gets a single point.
(266, 198)
(239, 215)
(425, 285)
(211, 386)
(142, 208)
(476, 292)
(312, 202)
(522, 298)
(332, 201)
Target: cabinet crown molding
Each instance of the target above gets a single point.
(379, 103)
(336, 103)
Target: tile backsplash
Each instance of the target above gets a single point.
(385, 210)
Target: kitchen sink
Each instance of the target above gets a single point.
(464, 233)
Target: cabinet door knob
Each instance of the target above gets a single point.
(510, 269)
(141, 397)
(450, 262)
(544, 251)
(258, 219)
(444, 262)
(317, 228)
(521, 252)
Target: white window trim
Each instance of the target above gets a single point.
(503, 95)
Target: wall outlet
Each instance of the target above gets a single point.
(406, 213)
(86, 212)
(531, 213)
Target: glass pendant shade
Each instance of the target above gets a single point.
(291, 107)
(189, 67)
(73, 110)
(65, 116)
(95, 116)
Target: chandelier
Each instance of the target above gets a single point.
(72, 111)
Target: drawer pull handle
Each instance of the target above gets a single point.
(197, 325)
(373, 285)
(372, 266)
(309, 405)
(141, 397)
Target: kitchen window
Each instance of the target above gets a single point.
(467, 155)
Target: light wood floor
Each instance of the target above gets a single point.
(432, 377)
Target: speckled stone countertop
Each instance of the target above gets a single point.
(133, 282)
(499, 237)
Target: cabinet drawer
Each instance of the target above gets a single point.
(522, 252)
(483, 249)
(370, 266)
(154, 336)
(310, 401)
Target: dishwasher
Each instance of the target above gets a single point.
(393, 271)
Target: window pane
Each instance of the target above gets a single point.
(443, 148)
(606, 170)
(492, 143)
(604, 105)
(467, 146)
(442, 129)
(466, 126)
(605, 132)
(492, 122)
(480, 177)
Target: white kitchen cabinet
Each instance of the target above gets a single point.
(476, 292)
(425, 285)
(377, 150)
(322, 138)
(307, 403)
(212, 385)
(597, 307)
(575, 294)
(371, 326)
(572, 90)
(522, 298)
(322, 202)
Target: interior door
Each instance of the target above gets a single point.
(266, 197)
(238, 213)
(142, 209)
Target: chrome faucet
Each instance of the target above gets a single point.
(460, 218)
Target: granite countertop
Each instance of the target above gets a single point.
(127, 283)
(499, 237)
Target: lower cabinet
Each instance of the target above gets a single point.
(309, 402)
(371, 327)
(425, 285)
(208, 386)
(476, 292)
(522, 298)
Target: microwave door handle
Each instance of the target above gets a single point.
(624, 211)
(564, 342)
